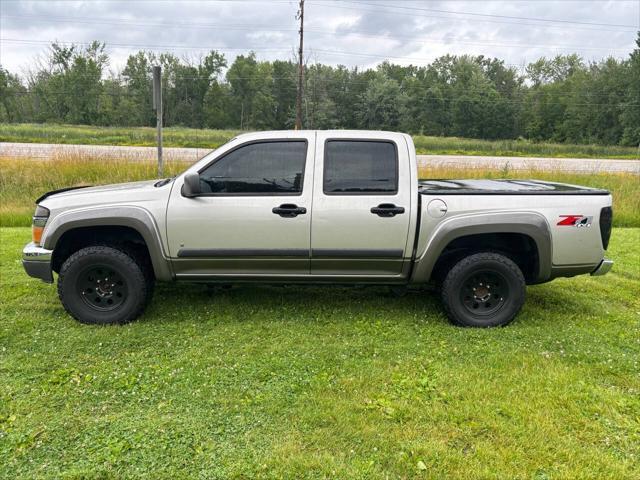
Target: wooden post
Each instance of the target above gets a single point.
(157, 104)
(300, 69)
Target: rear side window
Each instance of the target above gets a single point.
(258, 168)
(360, 167)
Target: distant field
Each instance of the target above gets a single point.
(23, 181)
(189, 137)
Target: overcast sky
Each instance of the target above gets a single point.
(348, 32)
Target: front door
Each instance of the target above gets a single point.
(253, 216)
(362, 205)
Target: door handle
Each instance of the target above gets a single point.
(387, 210)
(289, 210)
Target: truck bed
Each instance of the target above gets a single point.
(502, 187)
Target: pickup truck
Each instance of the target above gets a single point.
(320, 207)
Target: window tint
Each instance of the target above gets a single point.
(268, 167)
(353, 166)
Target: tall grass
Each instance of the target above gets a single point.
(22, 181)
(519, 148)
(190, 137)
(128, 136)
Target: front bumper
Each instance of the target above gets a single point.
(603, 268)
(37, 262)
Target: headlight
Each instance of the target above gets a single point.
(40, 218)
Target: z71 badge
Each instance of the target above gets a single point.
(579, 221)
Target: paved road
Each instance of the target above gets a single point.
(46, 151)
(580, 165)
(49, 151)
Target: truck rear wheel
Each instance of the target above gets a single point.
(102, 285)
(483, 290)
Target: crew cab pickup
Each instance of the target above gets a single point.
(321, 207)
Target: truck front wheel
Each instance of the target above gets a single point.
(103, 285)
(483, 290)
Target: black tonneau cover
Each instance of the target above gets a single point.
(503, 187)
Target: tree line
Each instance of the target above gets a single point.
(562, 99)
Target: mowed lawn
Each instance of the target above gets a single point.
(269, 382)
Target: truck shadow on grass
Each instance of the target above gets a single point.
(288, 302)
(328, 303)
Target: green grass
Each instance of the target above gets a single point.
(190, 137)
(266, 382)
(22, 181)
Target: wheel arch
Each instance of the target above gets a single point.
(494, 232)
(120, 223)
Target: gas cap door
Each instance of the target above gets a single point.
(437, 208)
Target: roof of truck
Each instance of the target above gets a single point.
(338, 132)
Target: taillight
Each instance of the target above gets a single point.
(40, 218)
(606, 219)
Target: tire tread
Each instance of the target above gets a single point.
(449, 294)
(144, 283)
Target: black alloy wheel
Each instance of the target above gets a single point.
(484, 293)
(102, 287)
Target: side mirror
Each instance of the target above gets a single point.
(191, 187)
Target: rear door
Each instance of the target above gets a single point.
(253, 217)
(362, 205)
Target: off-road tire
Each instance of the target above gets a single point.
(128, 290)
(500, 288)
(144, 263)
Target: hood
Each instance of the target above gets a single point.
(83, 190)
(120, 193)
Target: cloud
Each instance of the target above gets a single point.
(350, 32)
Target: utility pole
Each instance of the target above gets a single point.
(157, 104)
(300, 69)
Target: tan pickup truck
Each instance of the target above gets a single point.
(322, 207)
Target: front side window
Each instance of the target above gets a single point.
(360, 167)
(258, 168)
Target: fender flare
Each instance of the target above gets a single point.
(137, 218)
(532, 224)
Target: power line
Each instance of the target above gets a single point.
(116, 21)
(476, 14)
(481, 43)
(406, 8)
(448, 100)
(321, 51)
(379, 56)
(309, 79)
(160, 1)
(142, 45)
(415, 38)
(483, 20)
(219, 78)
(222, 48)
